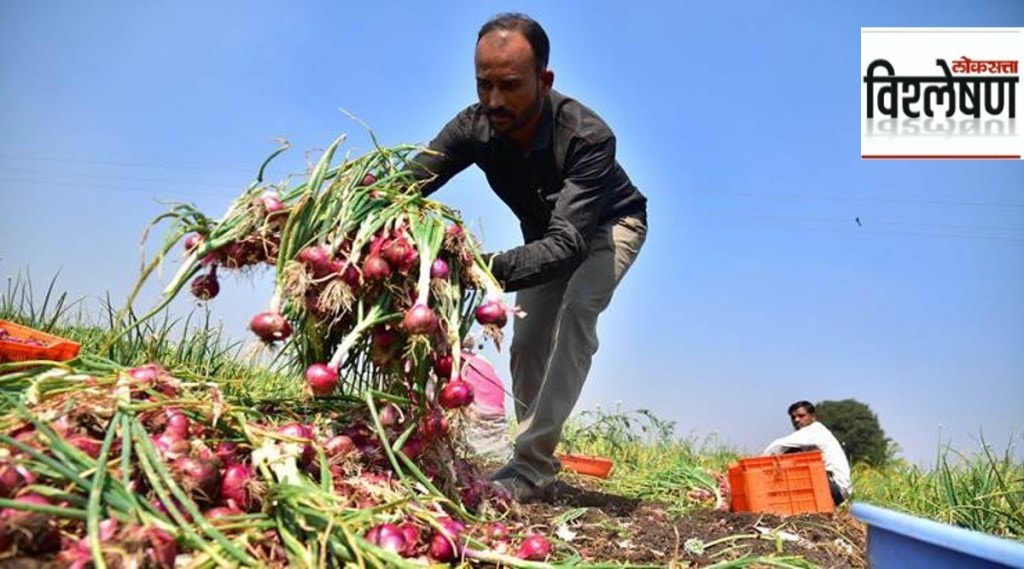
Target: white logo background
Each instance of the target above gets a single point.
(912, 52)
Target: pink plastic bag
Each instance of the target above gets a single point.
(486, 428)
(488, 389)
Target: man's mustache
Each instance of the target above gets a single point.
(501, 113)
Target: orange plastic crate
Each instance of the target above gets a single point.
(52, 348)
(737, 490)
(783, 484)
(789, 459)
(588, 465)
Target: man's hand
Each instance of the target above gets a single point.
(477, 278)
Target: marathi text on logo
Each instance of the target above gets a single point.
(961, 91)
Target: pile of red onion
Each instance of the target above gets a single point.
(375, 292)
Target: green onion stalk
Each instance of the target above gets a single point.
(106, 472)
(375, 287)
(352, 248)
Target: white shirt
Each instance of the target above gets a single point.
(818, 436)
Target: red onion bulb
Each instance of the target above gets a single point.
(270, 326)
(492, 312)
(322, 379)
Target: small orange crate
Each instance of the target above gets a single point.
(737, 490)
(783, 484)
(50, 347)
(788, 459)
(588, 465)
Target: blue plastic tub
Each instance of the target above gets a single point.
(898, 540)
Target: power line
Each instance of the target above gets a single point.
(127, 164)
(852, 199)
(788, 221)
(702, 220)
(866, 222)
(112, 188)
(761, 196)
(864, 231)
(112, 177)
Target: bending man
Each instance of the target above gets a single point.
(552, 161)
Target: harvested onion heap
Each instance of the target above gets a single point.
(102, 466)
(376, 292)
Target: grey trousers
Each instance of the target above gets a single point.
(553, 345)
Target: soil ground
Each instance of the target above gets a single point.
(605, 528)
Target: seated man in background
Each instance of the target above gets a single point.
(812, 435)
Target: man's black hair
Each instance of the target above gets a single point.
(531, 30)
(805, 404)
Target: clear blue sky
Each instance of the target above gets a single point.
(739, 120)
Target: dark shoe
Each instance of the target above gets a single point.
(519, 489)
(517, 486)
(504, 472)
(558, 491)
